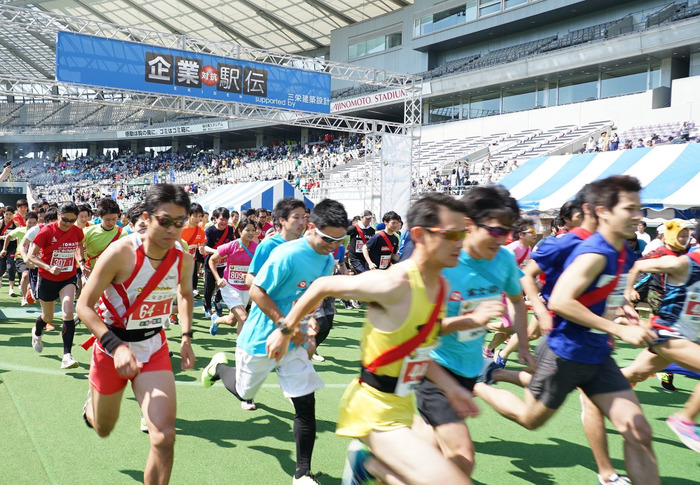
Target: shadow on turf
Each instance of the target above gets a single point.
(136, 475)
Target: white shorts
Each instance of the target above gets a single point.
(233, 297)
(295, 373)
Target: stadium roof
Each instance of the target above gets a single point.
(286, 26)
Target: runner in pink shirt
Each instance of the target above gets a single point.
(238, 254)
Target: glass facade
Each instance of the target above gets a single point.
(374, 45)
(462, 13)
(630, 79)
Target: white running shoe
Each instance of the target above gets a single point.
(307, 480)
(23, 302)
(248, 405)
(68, 362)
(12, 292)
(318, 358)
(37, 344)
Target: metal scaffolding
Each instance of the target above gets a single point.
(43, 27)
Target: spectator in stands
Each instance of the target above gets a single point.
(614, 142)
(603, 142)
(591, 145)
(457, 172)
(640, 144)
(685, 131)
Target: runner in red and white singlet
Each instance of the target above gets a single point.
(136, 280)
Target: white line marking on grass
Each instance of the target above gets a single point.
(54, 372)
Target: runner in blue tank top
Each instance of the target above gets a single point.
(588, 300)
(678, 330)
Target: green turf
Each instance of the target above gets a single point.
(46, 441)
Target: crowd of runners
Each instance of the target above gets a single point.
(433, 287)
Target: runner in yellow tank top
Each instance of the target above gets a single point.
(379, 410)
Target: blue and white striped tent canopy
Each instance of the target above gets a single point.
(248, 195)
(670, 176)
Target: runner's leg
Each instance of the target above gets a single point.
(155, 393)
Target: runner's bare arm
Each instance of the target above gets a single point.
(185, 306)
(36, 261)
(485, 311)
(529, 283)
(371, 286)
(461, 400)
(215, 258)
(520, 324)
(575, 279)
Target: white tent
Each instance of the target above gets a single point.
(248, 195)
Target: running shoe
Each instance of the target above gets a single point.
(687, 431)
(307, 480)
(37, 344)
(248, 405)
(500, 361)
(12, 292)
(615, 479)
(195, 293)
(68, 362)
(346, 304)
(318, 358)
(207, 313)
(214, 328)
(666, 381)
(23, 302)
(85, 406)
(49, 327)
(144, 424)
(486, 374)
(487, 353)
(173, 320)
(209, 373)
(356, 304)
(355, 472)
(218, 308)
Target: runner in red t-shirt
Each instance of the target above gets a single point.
(22, 209)
(193, 235)
(54, 256)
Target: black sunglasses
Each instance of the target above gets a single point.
(166, 222)
(494, 231)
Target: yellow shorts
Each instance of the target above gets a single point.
(364, 409)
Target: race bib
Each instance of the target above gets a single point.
(689, 320)
(63, 260)
(413, 370)
(150, 313)
(359, 245)
(468, 306)
(384, 261)
(236, 274)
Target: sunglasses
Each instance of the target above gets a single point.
(494, 231)
(529, 231)
(69, 221)
(449, 234)
(166, 222)
(329, 239)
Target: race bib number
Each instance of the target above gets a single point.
(468, 306)
(615, 299)
(413, 371)
(359, 245)
(63, 260)
(690, 315)
(150, 314)
(236, 274)
(384, 261)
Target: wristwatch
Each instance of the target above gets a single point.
(188, 334)
(282, 327)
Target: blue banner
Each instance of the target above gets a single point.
(155, 178)
(172, 176)
(97, 61)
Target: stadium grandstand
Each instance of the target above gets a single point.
(503, 81)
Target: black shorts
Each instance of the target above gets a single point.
(556, 377)
(357, 266)
(20, 265)
(48, 290)
(433, 406)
